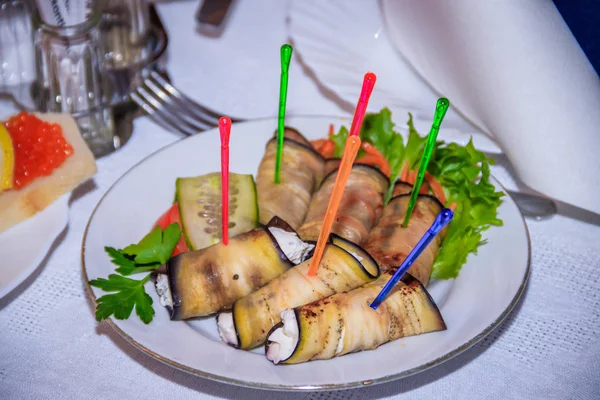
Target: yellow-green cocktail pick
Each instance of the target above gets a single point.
(286, 55)
(440, 111)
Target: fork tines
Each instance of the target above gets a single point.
(170, 108)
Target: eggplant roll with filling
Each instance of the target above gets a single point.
(360, 207)
(300, 175)
(344, 266)
(205, 281)
(401, 187)
(389, 243)
(345, 323)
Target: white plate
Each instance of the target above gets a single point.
(486, 290)
(340, 41)
(24, 246)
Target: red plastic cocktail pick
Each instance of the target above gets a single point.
(363, 101)
(225, 130)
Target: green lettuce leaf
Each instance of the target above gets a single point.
(378, 129)
(395, 159)
(462, 238)
(414, 145)
(464, 173)
(339, 140)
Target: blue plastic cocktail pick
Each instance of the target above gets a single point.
(442, 219)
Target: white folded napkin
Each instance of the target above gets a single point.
(514, 69)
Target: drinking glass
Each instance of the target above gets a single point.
(71, 78)
(17, 66)
(125, 31)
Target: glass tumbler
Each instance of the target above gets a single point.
(17, 64)
(127, 42)
(71, 78)
(125, 31)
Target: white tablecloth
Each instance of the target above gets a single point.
(52, 348)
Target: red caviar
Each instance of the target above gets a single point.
(39, 147)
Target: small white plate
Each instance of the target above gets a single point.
(473, 305)
(24, 246)
(339, 41)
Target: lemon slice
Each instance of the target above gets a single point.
(7, 160)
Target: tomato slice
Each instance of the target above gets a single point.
(170, 216)
(164, 219)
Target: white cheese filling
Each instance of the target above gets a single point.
(292, 246)
(283, 340)
(227, 329)
(163, 290)
(359, 258)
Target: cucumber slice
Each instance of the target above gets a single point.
(199, 200)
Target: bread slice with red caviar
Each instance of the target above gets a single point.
(17, 205)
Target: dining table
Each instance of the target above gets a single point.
(52, 347)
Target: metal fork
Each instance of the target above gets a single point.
(170, 108)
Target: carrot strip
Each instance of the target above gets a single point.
(424, 188)
(317, 143)
(436, 187)
(404, 174)
(412, 176)
(452, 206)
(327, 149)
(370, 149)
(374, 157)
(379, 162)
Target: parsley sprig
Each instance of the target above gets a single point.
(128, 293)
(150, 253)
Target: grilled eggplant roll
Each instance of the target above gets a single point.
(359, 210)
(389, 243)
(300, 175)
(344, 266)
(331, 164)
(402, 187)
(345, 323)
(205, 281)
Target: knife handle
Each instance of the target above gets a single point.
(211, 15)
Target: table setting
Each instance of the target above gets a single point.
(139, 95)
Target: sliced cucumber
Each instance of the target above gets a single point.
(199, 201)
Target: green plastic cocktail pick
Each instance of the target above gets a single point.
(286, 55)
(440, 111)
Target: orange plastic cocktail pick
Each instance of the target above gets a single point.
(350, 151)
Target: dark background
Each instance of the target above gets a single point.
(583, 18)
